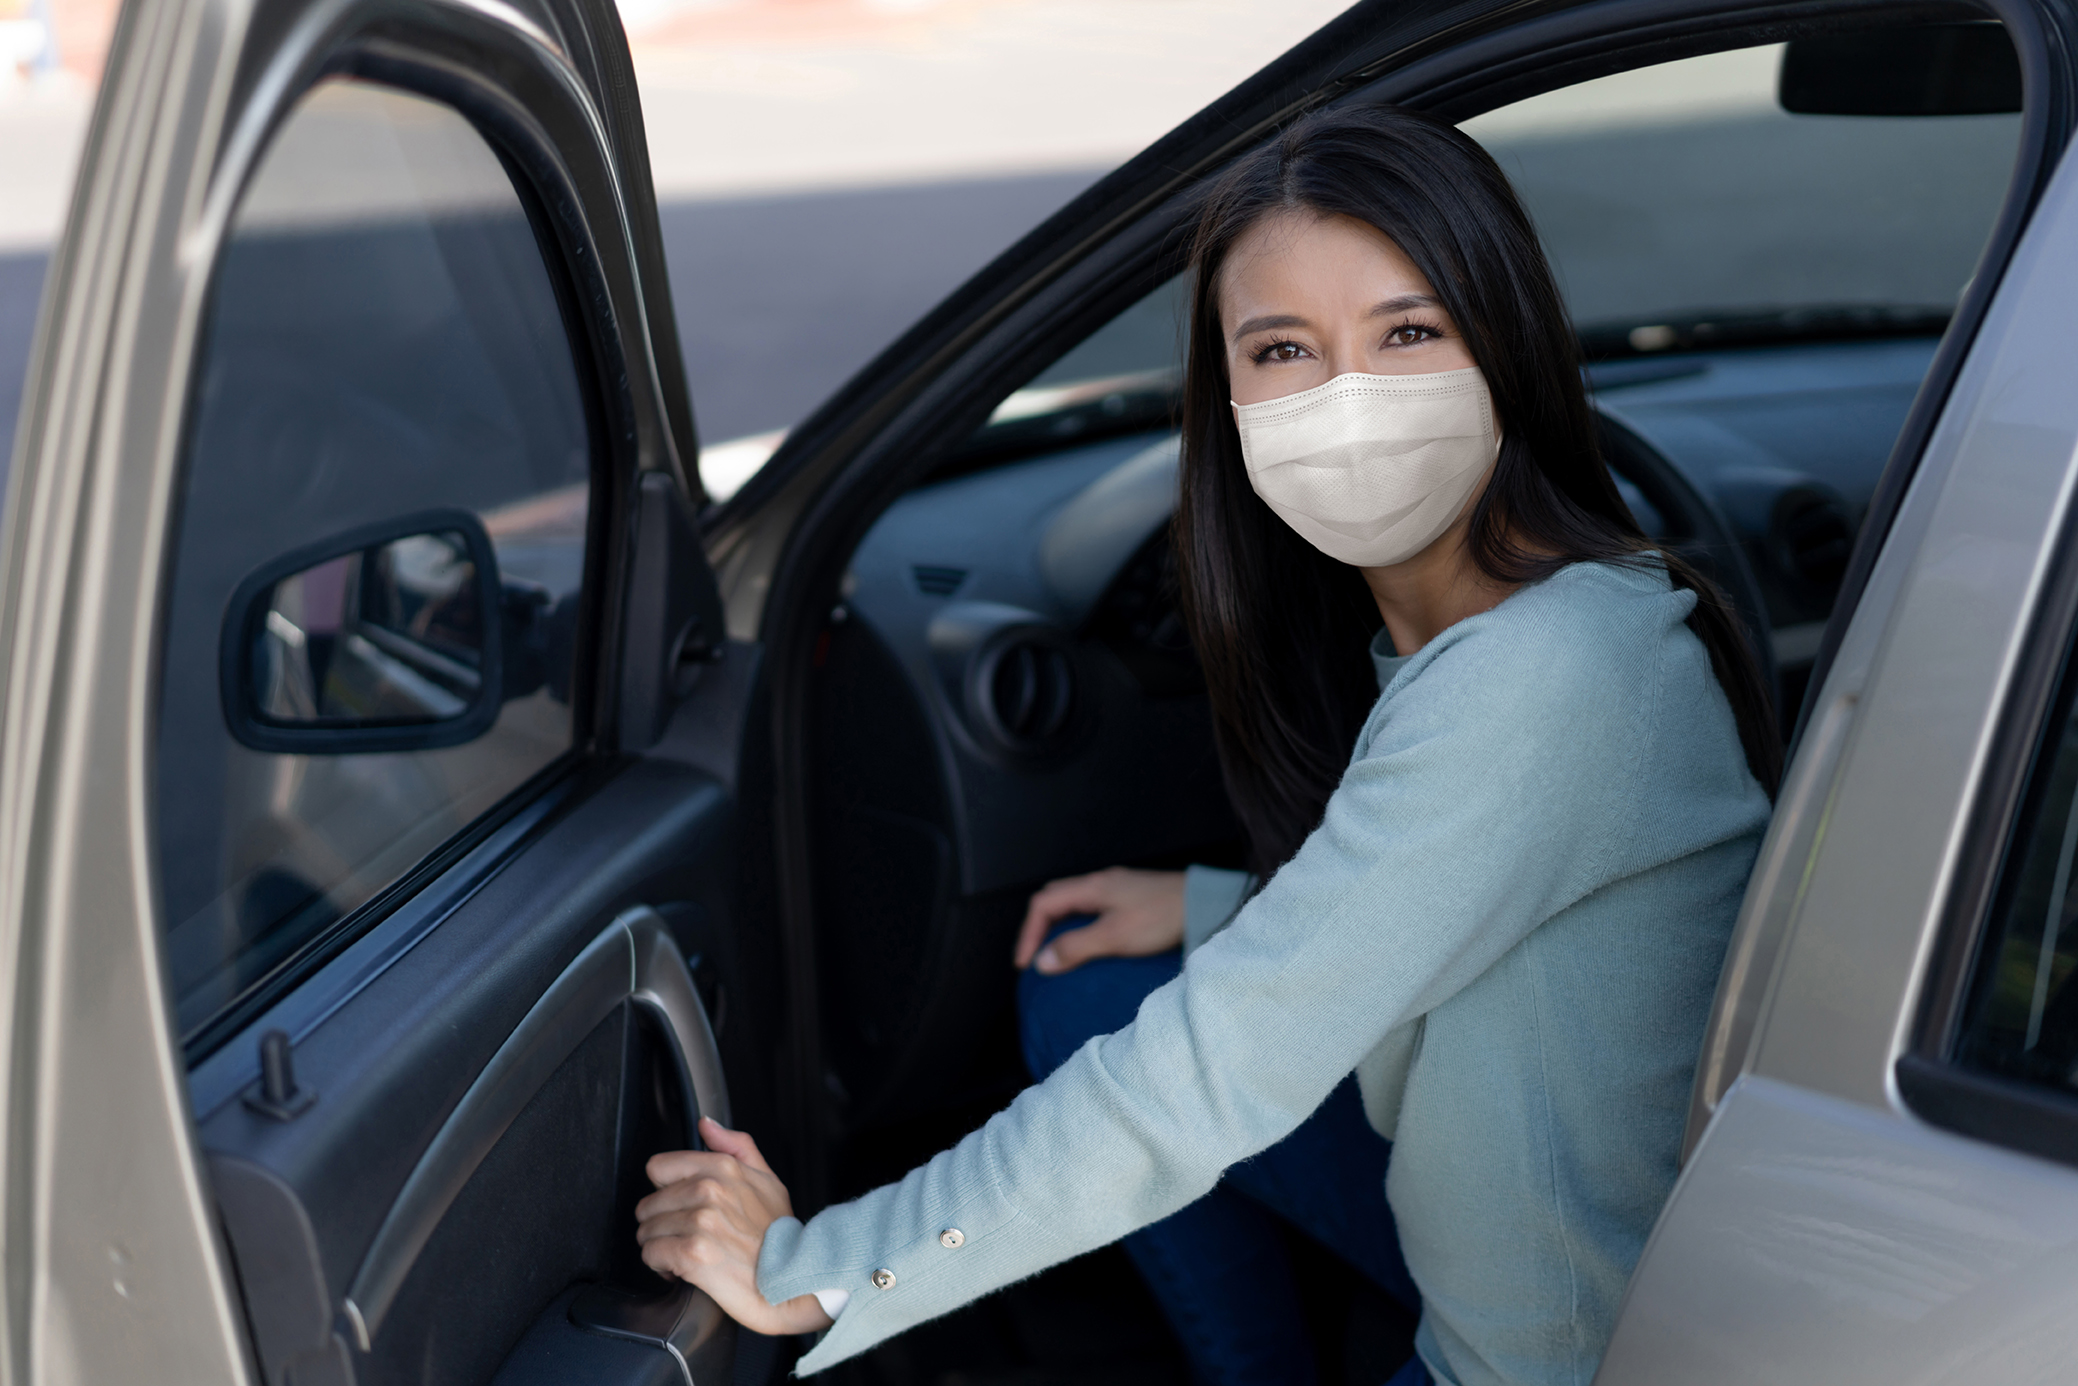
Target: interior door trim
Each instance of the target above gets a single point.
(633, 959)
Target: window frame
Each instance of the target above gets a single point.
(1933, 1084)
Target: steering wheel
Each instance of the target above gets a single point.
(1693, 527)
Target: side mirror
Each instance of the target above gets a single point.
(1923, 69)
(390, 637)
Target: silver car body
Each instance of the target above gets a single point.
(1821, 1230)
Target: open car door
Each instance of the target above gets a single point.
(364, 892)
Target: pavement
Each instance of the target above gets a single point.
(780, 299)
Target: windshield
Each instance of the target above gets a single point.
(1683, 208)
(1682, 196)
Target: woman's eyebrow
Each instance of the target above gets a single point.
(1402, 304)
(1269, 321)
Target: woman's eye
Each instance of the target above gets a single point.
(1281, 351)
(1408, 336)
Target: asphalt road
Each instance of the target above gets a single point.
(779, 299)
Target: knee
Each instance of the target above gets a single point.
(1058, 1014)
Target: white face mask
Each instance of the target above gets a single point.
(1371, 469)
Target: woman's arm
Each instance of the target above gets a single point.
(1211, 899)
(1500, 789)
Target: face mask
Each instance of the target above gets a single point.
(1371, 469)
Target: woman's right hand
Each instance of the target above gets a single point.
(1138, 913)
(706, 1224)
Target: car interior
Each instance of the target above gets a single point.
(464, 924)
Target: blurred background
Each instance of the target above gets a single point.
(827, 169)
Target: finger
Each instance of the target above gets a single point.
(706, 1229)
(697, 1192)
(1057, 900)
(1053, 901)
(677, 1166)
(690, 1257)
(1029, 936)
(1074, 947)
(735, 1143)
(658, 1258)
(675, 1224)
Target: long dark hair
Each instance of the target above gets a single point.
(1280, 627)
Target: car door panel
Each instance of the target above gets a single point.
(469, 1095)
(474, 1113)
(631, 962)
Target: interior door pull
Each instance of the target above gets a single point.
(682, 1321)
(633, 959)
(664, 988)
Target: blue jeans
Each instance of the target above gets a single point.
(1219, 1268)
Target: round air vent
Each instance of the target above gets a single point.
(1016, 679)
(1021, 689)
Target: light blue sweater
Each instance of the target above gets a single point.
(1509, 923)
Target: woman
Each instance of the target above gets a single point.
(1503, 911)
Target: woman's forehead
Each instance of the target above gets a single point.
(1327, 260)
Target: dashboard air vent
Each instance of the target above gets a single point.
(936, 581)
(1026, 692)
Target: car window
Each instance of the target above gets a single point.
(1683, 195)
(2021, 1018)
(383, 339)
(1682, 208)
(1758, 294)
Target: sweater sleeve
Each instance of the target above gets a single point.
(1498, 789)
(1211, 898)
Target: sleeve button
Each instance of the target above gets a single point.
(951, 1237)
(883, 1279)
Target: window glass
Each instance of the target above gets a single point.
(2022, 1016)
(1668, 196)
(1684, 192)
(384, 338)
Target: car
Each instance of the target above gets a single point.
(420, 797)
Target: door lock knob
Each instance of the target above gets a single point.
(276, 1094)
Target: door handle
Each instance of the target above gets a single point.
(663, 987)
(682, 1321)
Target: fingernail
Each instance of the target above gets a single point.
(1047, 961)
